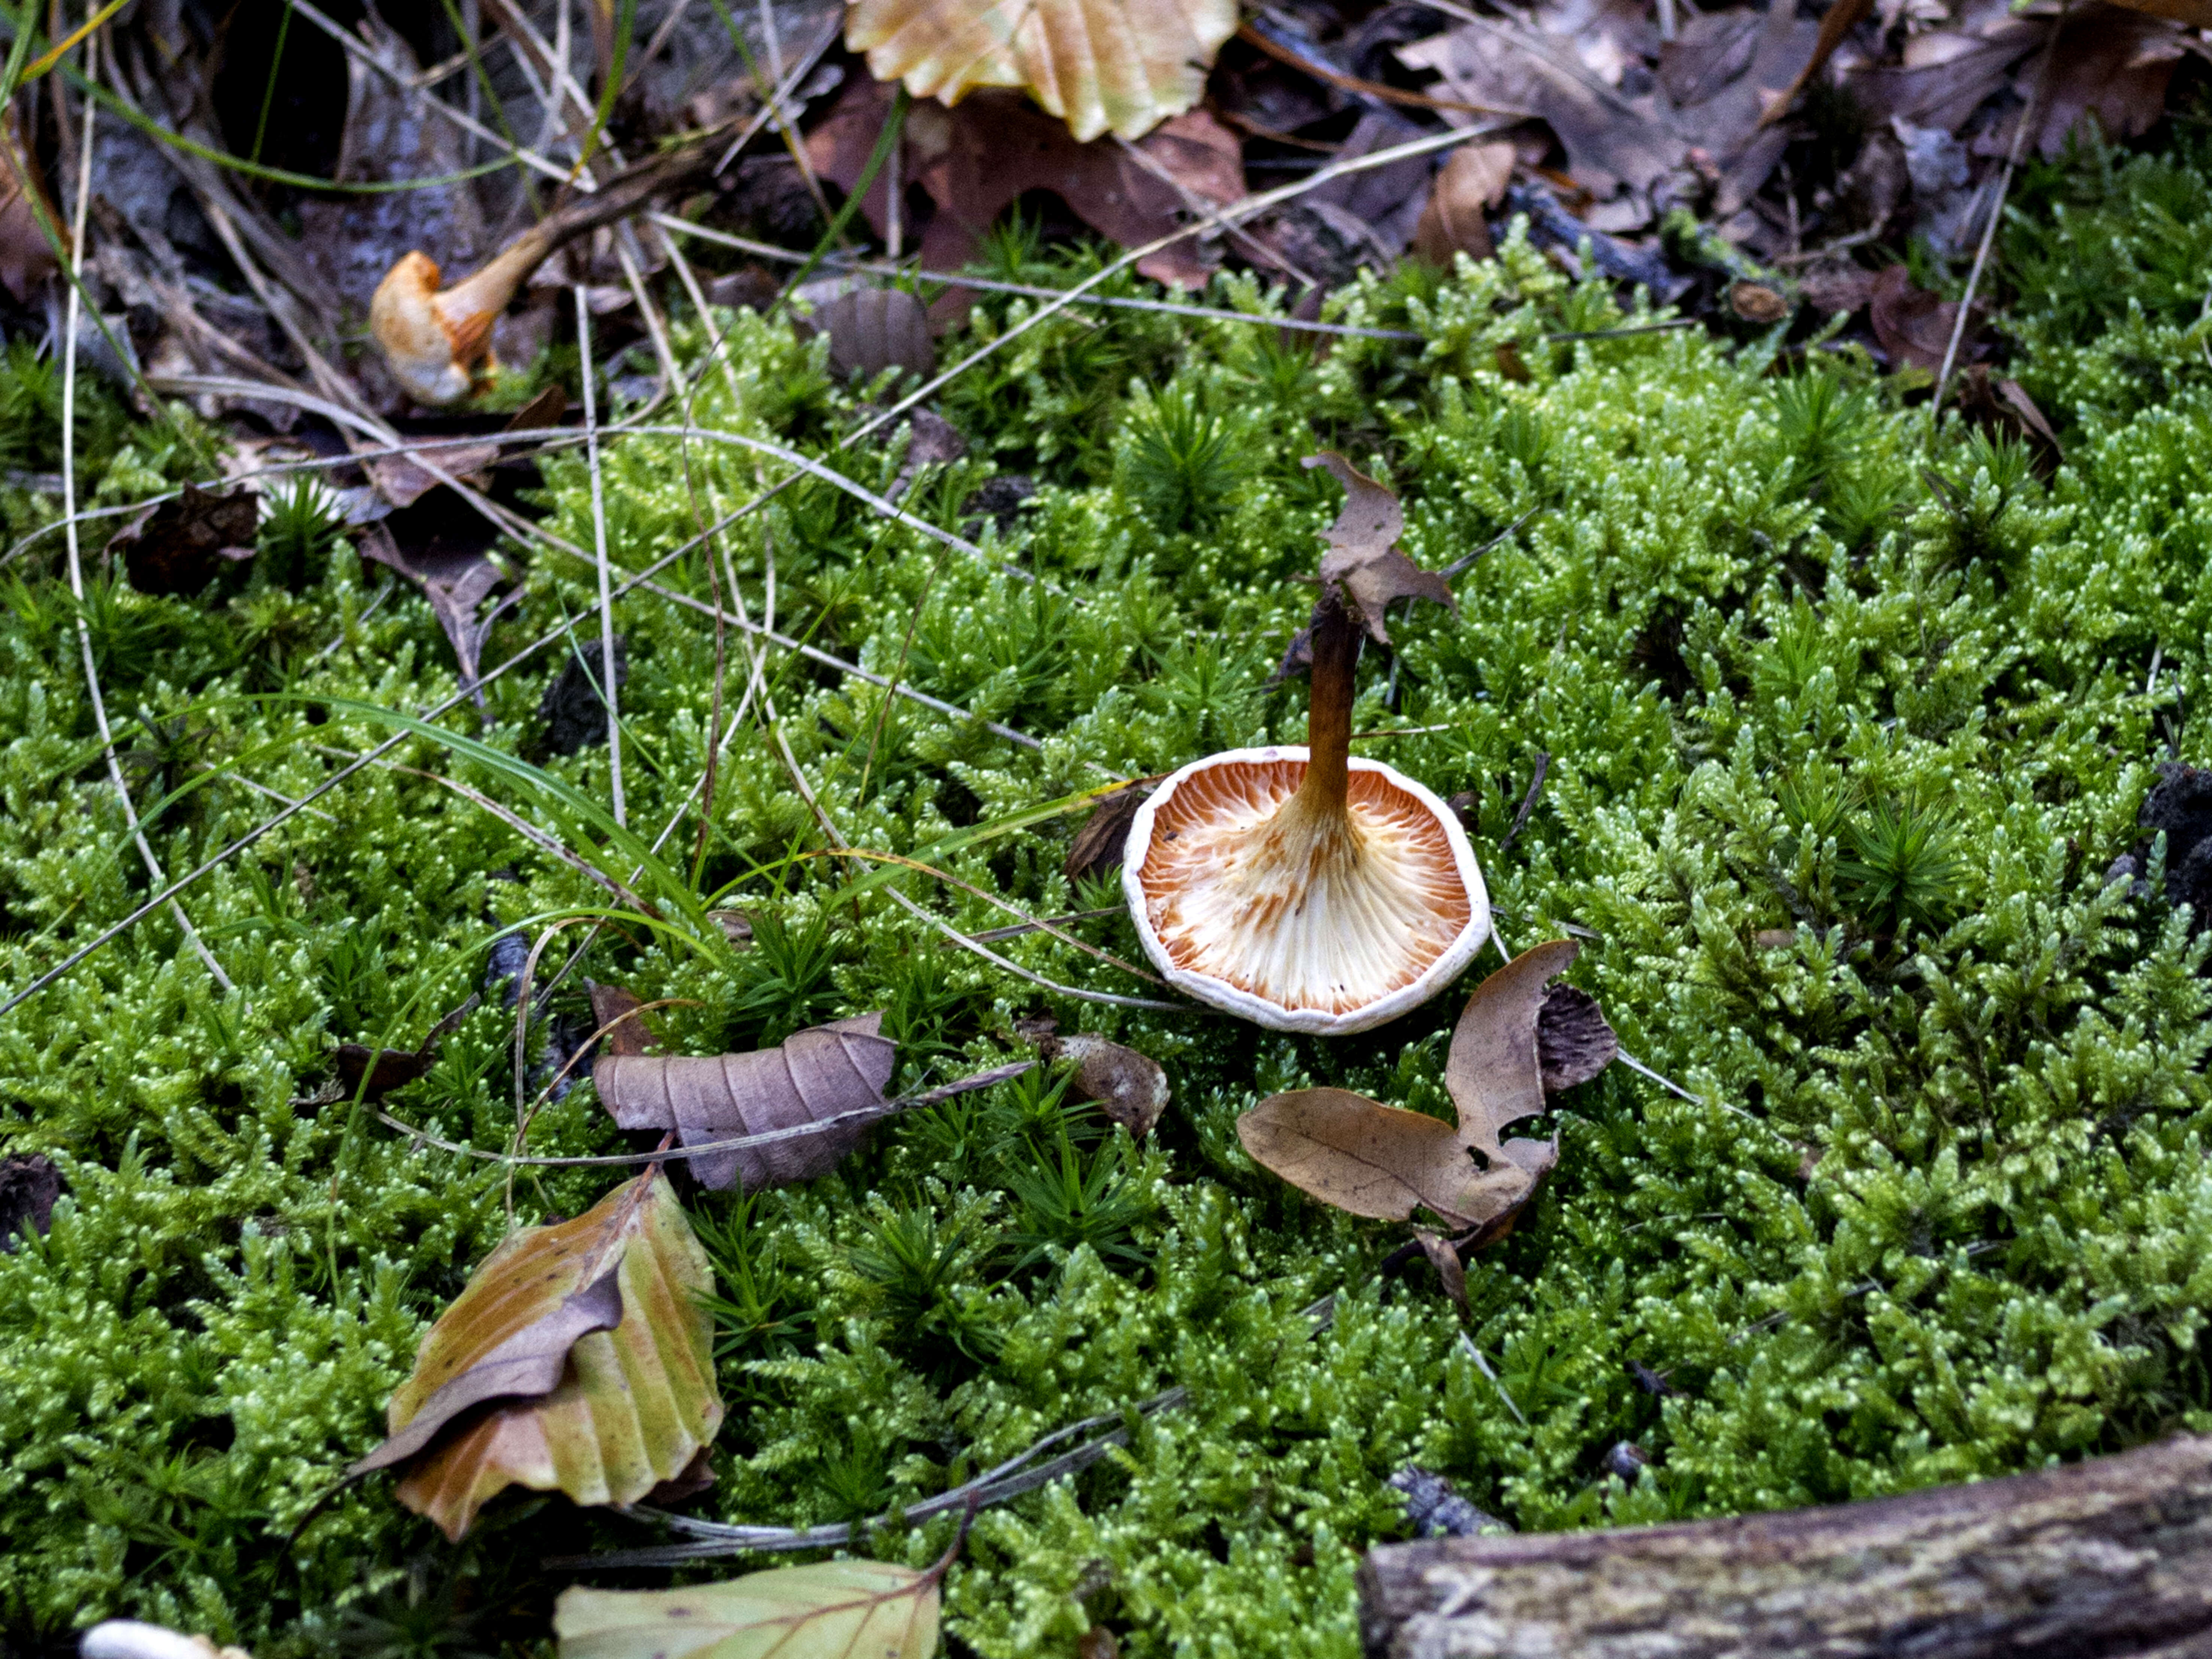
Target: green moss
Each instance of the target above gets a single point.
(1837, 761)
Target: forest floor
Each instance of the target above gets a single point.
(1848, 740)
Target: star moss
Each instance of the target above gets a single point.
(1839, 759)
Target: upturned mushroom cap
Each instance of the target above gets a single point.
(1303, 889)
(1302, 920)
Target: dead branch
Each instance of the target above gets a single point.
(2111, 1557)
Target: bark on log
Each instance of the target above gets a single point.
(2107, 1559)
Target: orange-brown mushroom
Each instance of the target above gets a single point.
(433, 339)
(1301, 888)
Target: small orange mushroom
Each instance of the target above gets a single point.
(433, 339)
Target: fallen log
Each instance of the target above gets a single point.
(2107, 1559)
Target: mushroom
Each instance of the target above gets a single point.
(433, 339)
(1302, 888)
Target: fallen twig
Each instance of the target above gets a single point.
(1529, 800)
(672, 1154)
(76, 563)
(608, 693)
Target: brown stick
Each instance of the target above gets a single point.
(2107, 1559)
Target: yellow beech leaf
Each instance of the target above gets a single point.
(579, 1360)
(832, 1610)
(1125, 65)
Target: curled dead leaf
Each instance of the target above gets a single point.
(973, 161)
(387, 1069)
(1914, 326)
(458, 584)
(580, 1358)
(1492, 1072)
(403, 479)
(177, 546)
(1574, 1041)
(1130, 1088)
(827, 1610)
(1451, 1272)
(824, 1071)
(1098, 64)
(1363, 561)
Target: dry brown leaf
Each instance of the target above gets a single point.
(1451, 1272)
(1914, 326)
(1361, 1157)
(823, 1072)
(616, 1010)
(1128, 1087)
(1098, 844)
(1362, 560)
(1380, 1161)
(579, 1358)
(973, 161)
(2015, 398)
(1469, 185)
(1491, 1071)
(403, 480)
(1715, 81)
(1945, 74)
(1125, 65)
(457, 584)
(1386, 200)
(2113, 66)
(873, 329)
(177, 547)
(26, 258)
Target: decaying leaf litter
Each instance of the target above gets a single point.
(1619, 179)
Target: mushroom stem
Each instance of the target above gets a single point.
(1335, 642)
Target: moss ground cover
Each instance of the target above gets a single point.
(1846, 721)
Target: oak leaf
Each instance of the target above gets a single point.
(830, 1610)
(823, 1072)
(580, 1358)
(1122, 64)
(1384, 1162)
